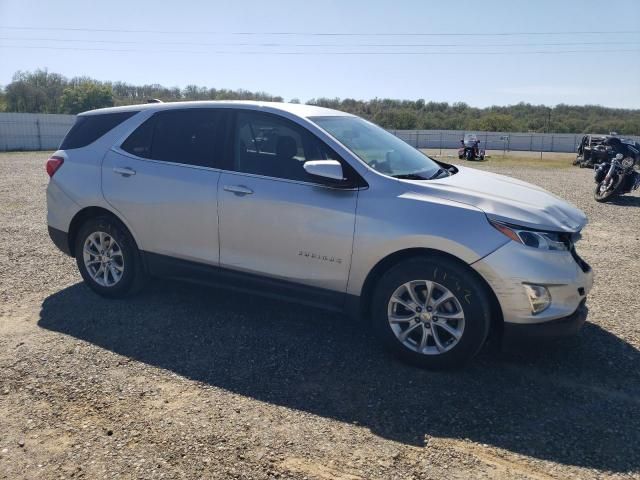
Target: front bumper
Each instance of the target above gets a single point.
(561, 327)
(567, 277)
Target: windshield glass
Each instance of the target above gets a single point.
(378, 148)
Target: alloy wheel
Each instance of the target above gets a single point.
(426, 317)
(103, 259)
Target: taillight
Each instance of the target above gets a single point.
(53, 164)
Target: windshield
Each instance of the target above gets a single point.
(378, 148)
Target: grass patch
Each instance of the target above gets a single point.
(531, 162)
(510, 159)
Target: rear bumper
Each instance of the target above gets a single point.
(561, 327)
(60, 239)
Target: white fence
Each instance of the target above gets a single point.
(38, 131)
(534, 142)
(33, 131)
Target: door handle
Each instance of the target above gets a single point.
(125, 172)
(238, 189)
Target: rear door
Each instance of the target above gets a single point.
(163, 182)
(276, 220)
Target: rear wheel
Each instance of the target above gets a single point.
(108, 258)
(433, 313)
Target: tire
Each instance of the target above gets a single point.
(602, 198)
(470, 299)
(469, 156)
(125, 274)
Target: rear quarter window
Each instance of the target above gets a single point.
(89, 128)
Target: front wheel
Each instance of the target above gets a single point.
(433, 313)
(602, 193)
(108, 258)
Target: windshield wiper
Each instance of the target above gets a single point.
(416, 176)
(438, 173)
(409, 176)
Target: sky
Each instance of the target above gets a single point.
(494, 52)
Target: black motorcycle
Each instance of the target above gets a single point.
(616, 177)
(470, 148)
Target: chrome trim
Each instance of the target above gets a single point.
(122, 152)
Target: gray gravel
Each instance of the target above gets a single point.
(190, 382)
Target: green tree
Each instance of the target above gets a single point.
(496, 122)
(24, 97)
(38, 91)
(86, 96)
(43, 91)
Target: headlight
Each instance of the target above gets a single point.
(533, 238)
(628, 162)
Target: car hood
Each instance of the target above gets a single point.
(509, 200)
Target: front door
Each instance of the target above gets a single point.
(276, 220)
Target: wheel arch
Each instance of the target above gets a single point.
(92, 212)
(364, 303)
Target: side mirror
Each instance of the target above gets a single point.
(327, 169)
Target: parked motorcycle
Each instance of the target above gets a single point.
(470, 148)
(616, 177)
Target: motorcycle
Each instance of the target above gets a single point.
(616, 177)
(592, 151)
(470, 148)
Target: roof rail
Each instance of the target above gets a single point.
(154, 100)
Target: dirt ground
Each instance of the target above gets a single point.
(189, 382)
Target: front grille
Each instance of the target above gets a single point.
(584, 266)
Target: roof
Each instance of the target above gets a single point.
(297, 109)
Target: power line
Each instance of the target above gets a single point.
(337, 34)
(231, 52)
(305, 45)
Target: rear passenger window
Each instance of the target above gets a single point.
(89, 128)
(190, 136)
(267, 145)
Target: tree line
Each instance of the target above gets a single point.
(42, 91)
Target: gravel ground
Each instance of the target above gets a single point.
(189, 382)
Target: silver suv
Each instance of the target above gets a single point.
(321, 207)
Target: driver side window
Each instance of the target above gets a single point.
(269, 146)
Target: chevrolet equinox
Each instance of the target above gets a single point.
(322, 207)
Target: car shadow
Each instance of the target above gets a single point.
(576, 402)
